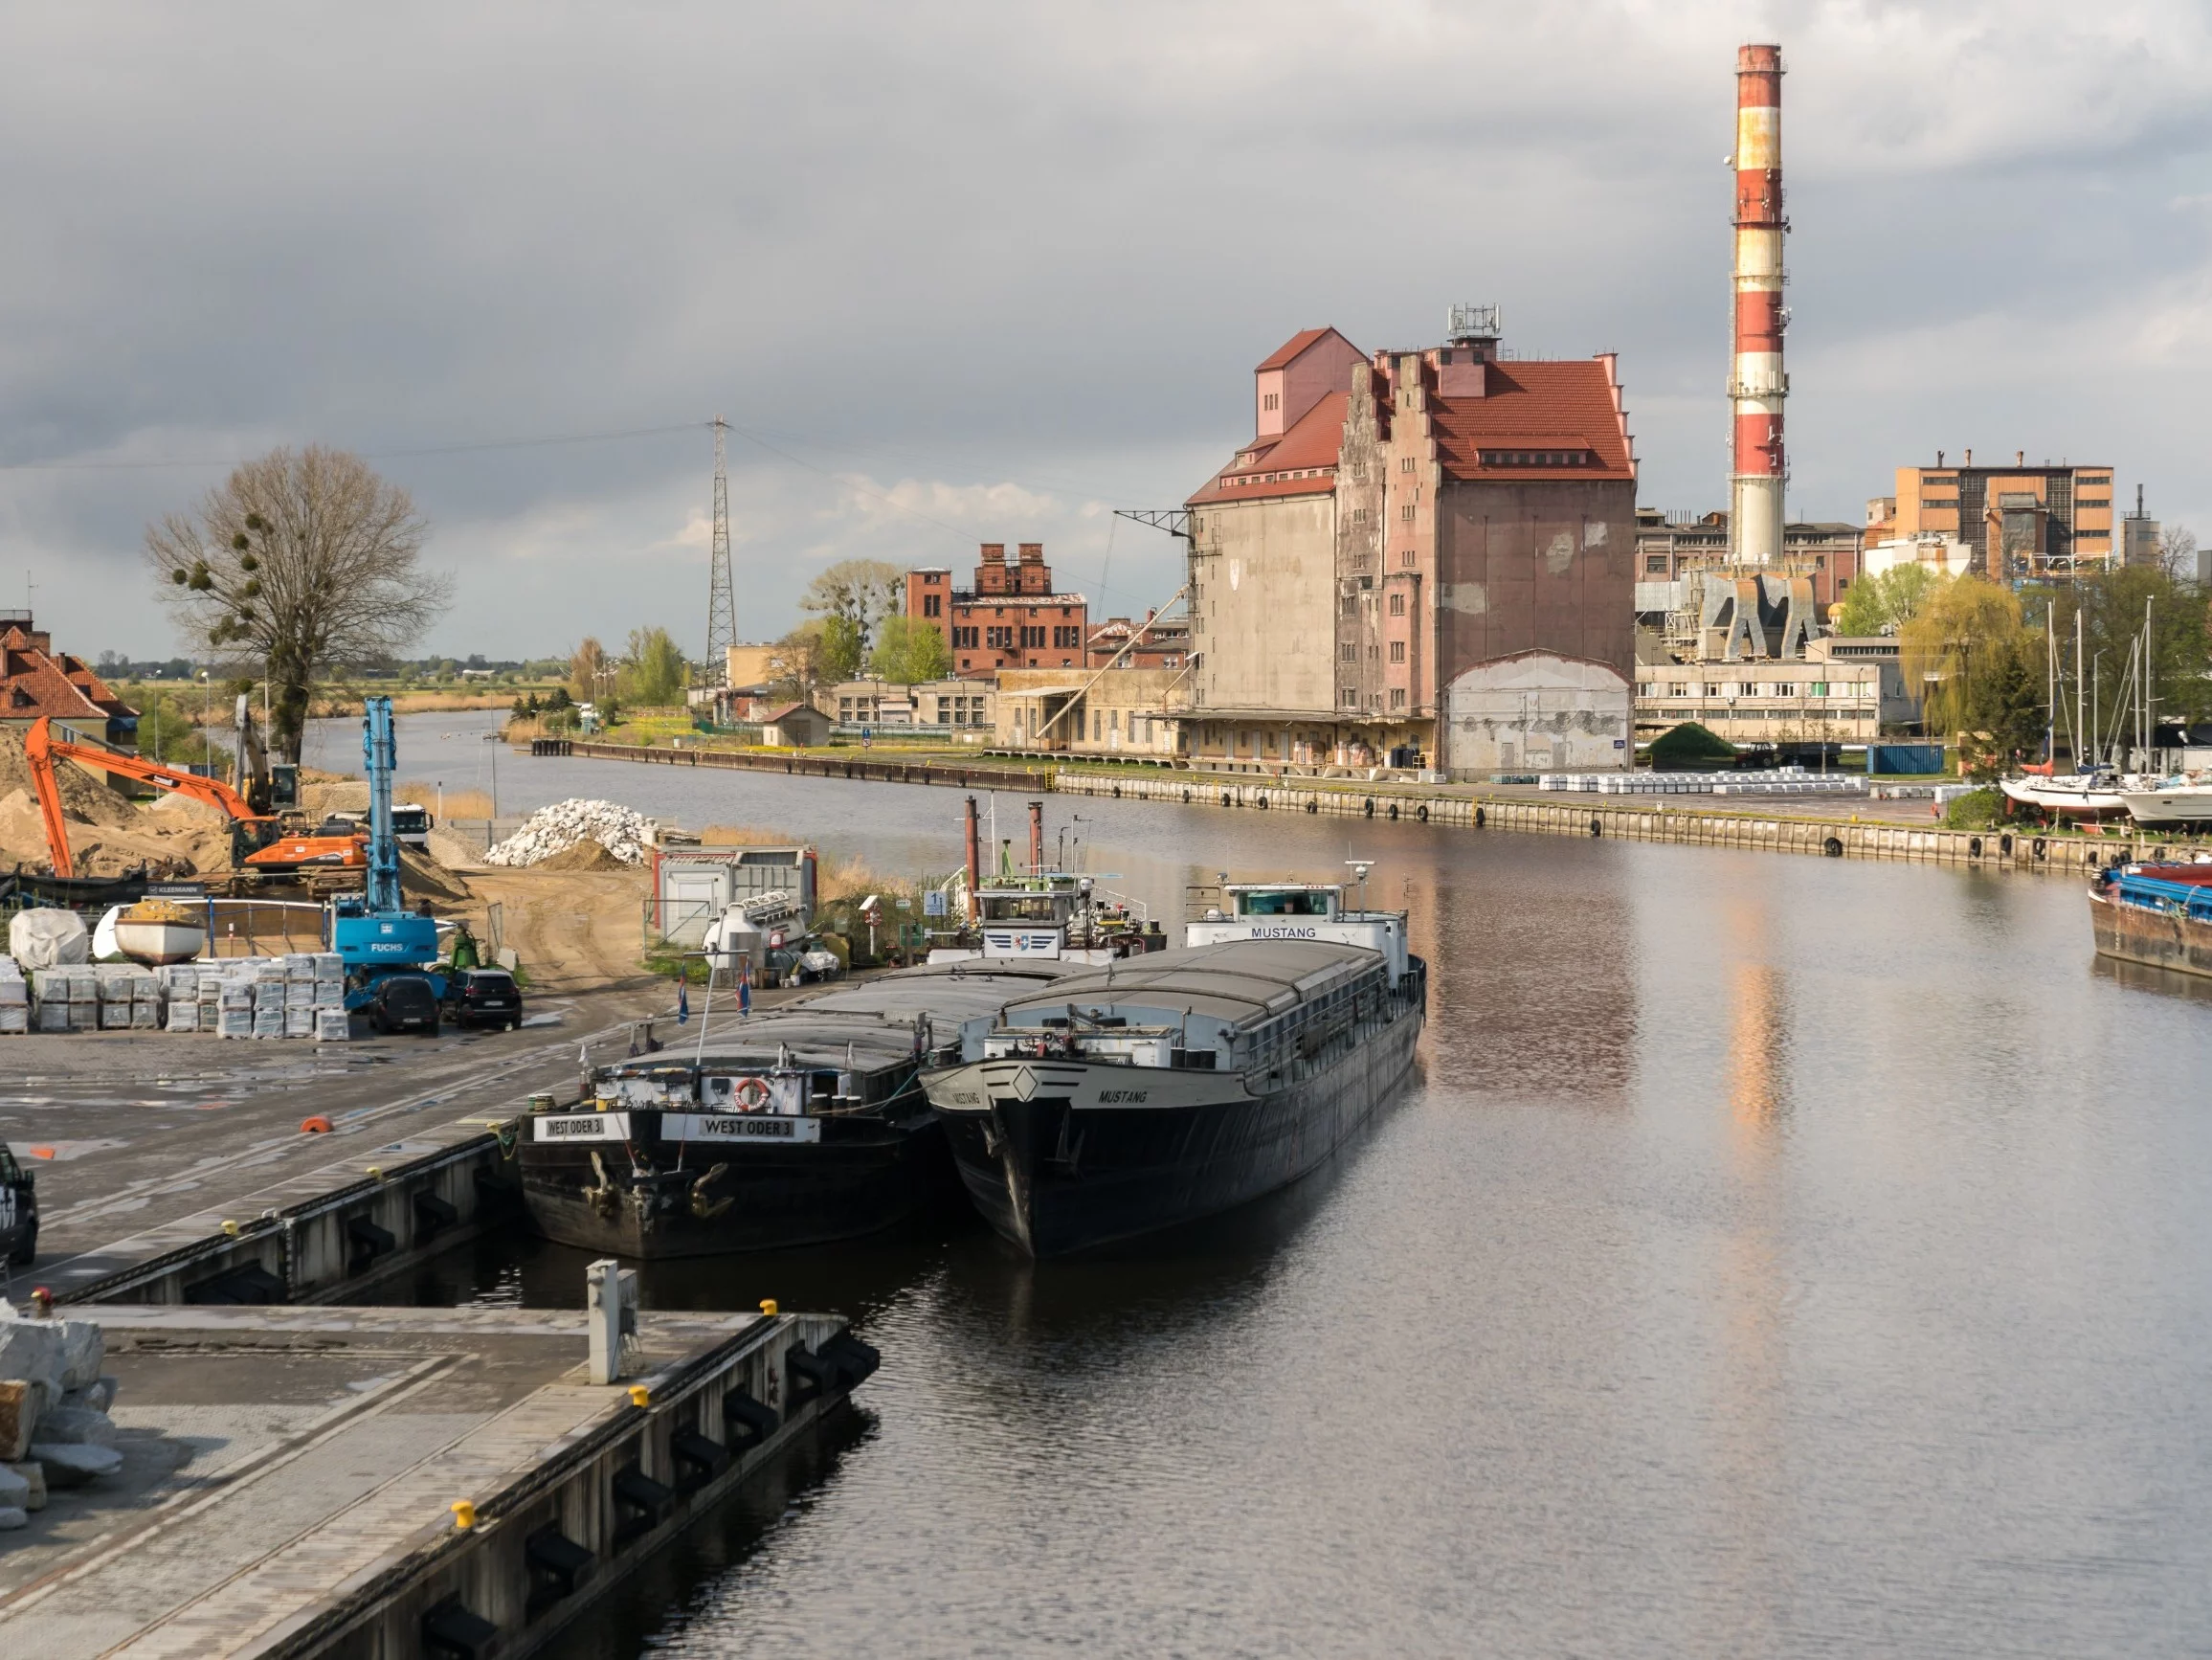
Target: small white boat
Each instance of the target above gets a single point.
(2170, 803)
(155, 931)
(2070, 795)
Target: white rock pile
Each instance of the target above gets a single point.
(54, 1431)
(557, 828)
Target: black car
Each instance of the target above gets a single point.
(485, 997)
(19, 1209)
(403, 1003)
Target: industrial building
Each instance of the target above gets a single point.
(1841, 691)
(2016, 523)
(1399, 523)
(1011, 617)
(1826, 553)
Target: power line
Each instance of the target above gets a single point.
(529, 444)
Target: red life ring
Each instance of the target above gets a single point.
(751, 1095)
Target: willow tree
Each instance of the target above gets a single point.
(297, 563)
(1972, 659)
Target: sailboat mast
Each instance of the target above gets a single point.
(2077, 687)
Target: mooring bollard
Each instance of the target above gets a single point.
(609, 1314)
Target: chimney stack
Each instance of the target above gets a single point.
(1756, 384)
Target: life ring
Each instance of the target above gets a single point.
(1262, 802)
(751, 1095)
(1421, 812)
(1832, 848)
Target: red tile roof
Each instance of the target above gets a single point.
(1288, 351)
(32, 682)
(1564, 404)
(1301, 463)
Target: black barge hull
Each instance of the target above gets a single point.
(2158, 938)
(648, 1199)
(1055, 1178)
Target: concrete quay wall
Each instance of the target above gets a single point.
(1694, 826)
(596, 1505)
(332, 1230)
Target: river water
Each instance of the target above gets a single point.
(1773, 1256)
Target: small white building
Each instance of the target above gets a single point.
(1537, 711)
(795, 726)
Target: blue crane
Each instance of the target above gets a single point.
(377, 933)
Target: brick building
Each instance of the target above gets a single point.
(1161, 643)
(1011, 618)
(1398, 522)
(1669, 546)
(37, 681)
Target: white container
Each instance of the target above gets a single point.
(113, 1016)
(146, 1016)
(15, 1018)
(14, 994)
(299, 1023)
(268, 1022)
(53, 1017)
(184, 1017)
(333, 1026)
(235, 1023)
(299, 995)
(329, 993)
(329, 966)
(85, 1017)
(300, 965)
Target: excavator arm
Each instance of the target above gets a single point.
(41, 749)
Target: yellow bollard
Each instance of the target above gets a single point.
(767, 1305)
(640, 1395)
(464, 1514)
(230, 1227)
(377, 1173)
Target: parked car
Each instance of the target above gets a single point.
(485, 997)
(403, 1003)
(19, 1209)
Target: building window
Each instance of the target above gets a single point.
(1273, 400)
(1398, 651)
(1397, 697)
(1406, 558)
(1359, 515)
(1397, 604)
(932, 604)
(1374, 652)
(1406, 512)
(999, 639)
(1405, 463)
(1351, 697)
(1820, 688)
(1655, 565)
(1347, 653)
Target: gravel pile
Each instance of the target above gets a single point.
(557, 828)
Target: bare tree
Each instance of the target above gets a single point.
(2177, 553)
(301, 561)
(862, 591)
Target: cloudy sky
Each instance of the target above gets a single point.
(967, 272)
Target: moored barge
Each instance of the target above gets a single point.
(1169, 1087)
(798, 1126)
(2156, 914)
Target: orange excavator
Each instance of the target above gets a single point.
(275, 849)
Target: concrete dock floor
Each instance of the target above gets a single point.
(141, 1141)
(272, 1457)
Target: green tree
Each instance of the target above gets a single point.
(909, 650)
(656, 672)
(2112, 607)
(1884, 603)
(839, 648)
(587, 667)
(295, 563)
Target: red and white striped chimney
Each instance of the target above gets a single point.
(1756, 382)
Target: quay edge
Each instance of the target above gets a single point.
(1995, 850)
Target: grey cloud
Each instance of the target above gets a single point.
(976, 245)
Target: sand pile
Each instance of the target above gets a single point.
(107, 834)
(454, 850)
(83, 795)
(421, 877)
(586, 855)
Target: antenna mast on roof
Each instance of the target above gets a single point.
(1466, 324)
(721, 595)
